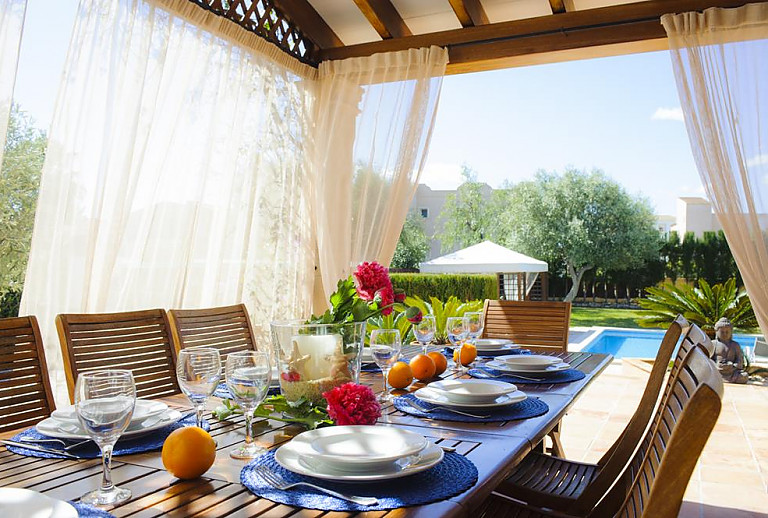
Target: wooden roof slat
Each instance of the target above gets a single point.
(561, 6)
(301, 13)
(469, 12)
(383, 16)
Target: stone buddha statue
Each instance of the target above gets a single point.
(728, 353)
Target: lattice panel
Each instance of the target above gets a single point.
(262, 18)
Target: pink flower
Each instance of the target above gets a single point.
(351, 403)
(385, 297)
(370, 278)
(399, 296)
(414, 315)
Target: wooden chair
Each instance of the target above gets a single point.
(540, 326)
(227, 328)
(566, 485)
(25, 390)
(137, 340)
(654, 482)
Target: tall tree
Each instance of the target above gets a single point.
(413, 245)
(582, 220)
(19, 185)
(464, 215)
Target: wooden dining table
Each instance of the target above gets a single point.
(494, 447)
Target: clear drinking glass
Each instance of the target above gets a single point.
(198, 370)
(248, 377)
(424, 331)
(474, 324)
(456, 329)
(104, 402)
(385, 349)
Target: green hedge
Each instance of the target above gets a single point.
(9, 303)
(442, 286)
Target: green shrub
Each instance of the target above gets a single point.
(452, 307)
(9, 303)
(444, 286)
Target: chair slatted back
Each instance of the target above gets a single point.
(227, 329)
(540, 326)
(621, 452)
(25, 390)
(688, 415)
(140, 341)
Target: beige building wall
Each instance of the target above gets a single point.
(695, 215)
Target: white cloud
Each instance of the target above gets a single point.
(758, 160)
(668, 114)
(442, 176)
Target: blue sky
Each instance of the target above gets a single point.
(619, 114)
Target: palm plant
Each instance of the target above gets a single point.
(702, 305)
(452, 307)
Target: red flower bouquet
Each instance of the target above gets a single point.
(352, 404)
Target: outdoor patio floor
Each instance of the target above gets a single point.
(732, 475)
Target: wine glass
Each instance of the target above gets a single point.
(104, 402)
(248, 377)
(456, 329)
(198, 370)
(385, 349)
(424, 331)
(474, 324)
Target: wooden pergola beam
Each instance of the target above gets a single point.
(383, 16)
(301, 13)
(469, 12)
(569, 30)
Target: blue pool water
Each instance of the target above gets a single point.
(633, 343)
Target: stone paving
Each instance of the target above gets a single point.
(725, 484)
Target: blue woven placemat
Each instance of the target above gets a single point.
(88, 511)
(223, 392)
(128, 446)
(531, 407)
(452, 476)
(565, 376)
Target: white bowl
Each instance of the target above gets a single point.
(144, 408)
(529, 360)
(472, 391)
(25, 503)
(369, 445)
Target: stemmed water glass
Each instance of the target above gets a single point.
(474, 324)
(104, 402)
(198, 370)
(424, 331)
(456, 329)
(248, 377)
(385, 349)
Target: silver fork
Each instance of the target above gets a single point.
(423, 408)
(67, 447)
(277, 481)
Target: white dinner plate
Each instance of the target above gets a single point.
(528, 360)
(437, 398)
(291, 457)
(144, 408)
(498, 349)
(472, 390)
(24, 503)
(491, 343)
(365, 445)
(52, 427)
(503, 367)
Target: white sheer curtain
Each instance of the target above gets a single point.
(11, 23)
(374, 123)
(720, 59)
(176, 171)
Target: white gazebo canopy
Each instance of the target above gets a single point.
(485, 257)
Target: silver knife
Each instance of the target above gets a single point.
(28, 446)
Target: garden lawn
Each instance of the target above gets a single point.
(606, 317)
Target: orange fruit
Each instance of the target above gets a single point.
(423, 367)
(441, 362)
(400, 375)
(468, 354)
(188, 452)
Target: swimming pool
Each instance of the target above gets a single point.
(639, 343)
